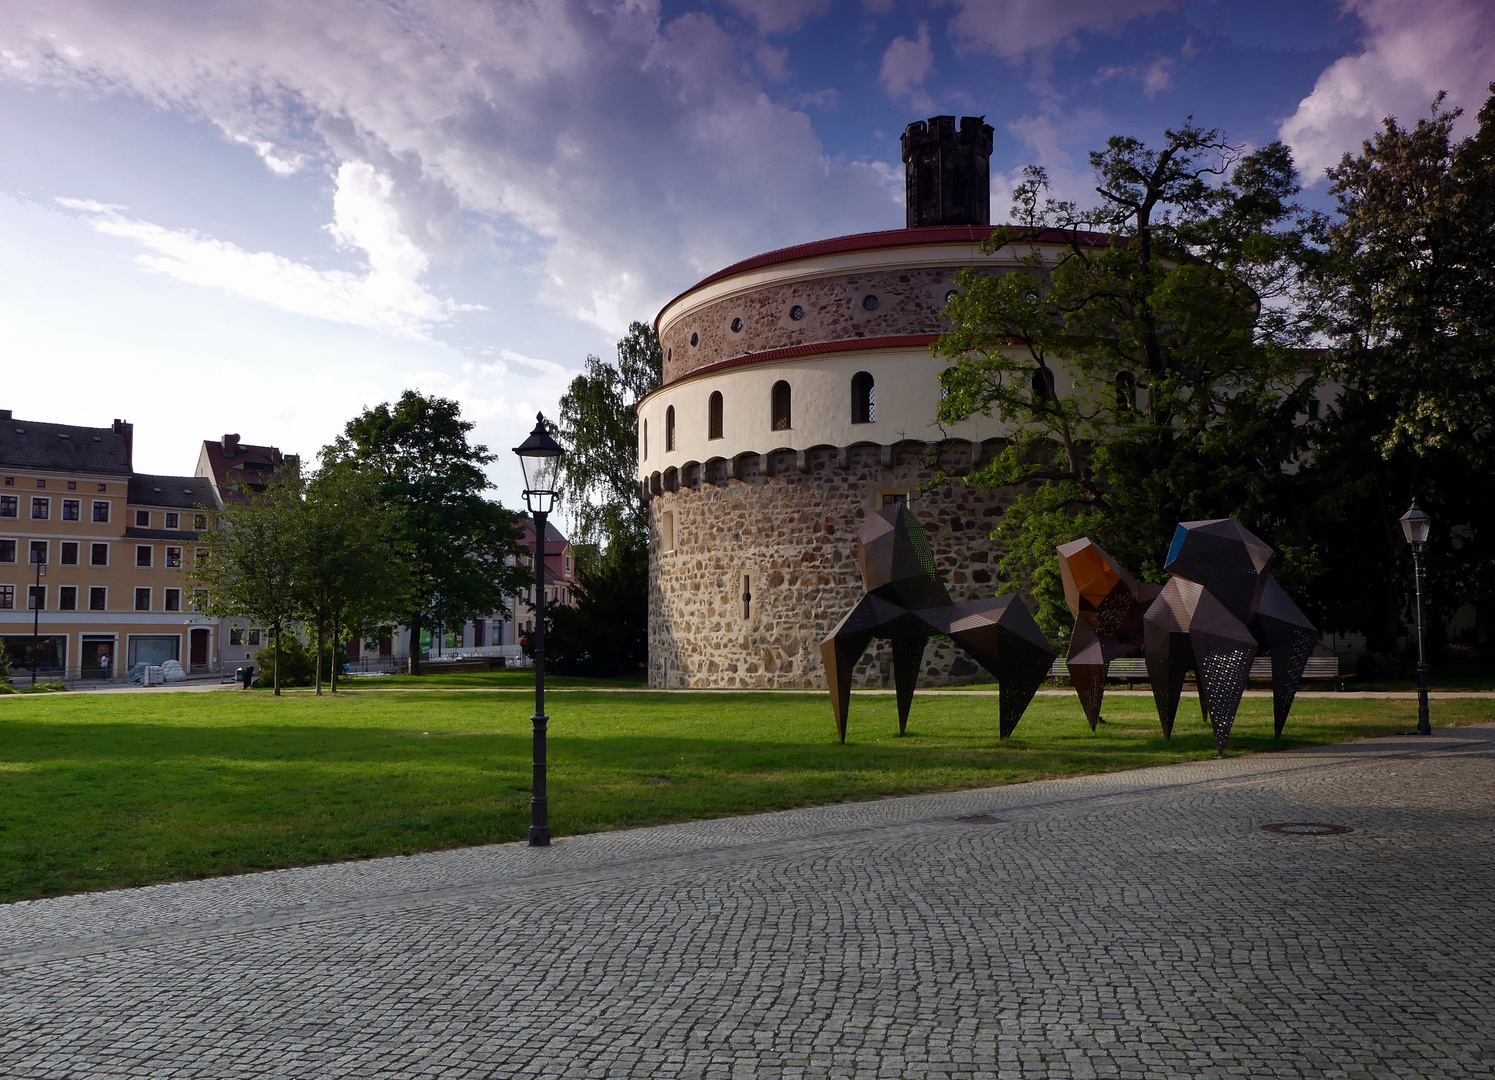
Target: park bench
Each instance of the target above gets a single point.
(1134, 670)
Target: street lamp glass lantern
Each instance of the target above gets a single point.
(540, 457)
(1416, 525)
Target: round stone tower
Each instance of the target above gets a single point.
(798, 395)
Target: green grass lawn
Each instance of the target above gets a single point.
(517, 679)
(101, 791)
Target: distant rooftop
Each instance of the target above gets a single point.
(31, 444)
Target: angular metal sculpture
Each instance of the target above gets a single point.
(1219, 608)
(1108, 604)
(907, 603)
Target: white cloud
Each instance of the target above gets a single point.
(638, 153)
(1154, 77)
(774, 16)
(905, 64)
(1012, 28)
(1412, 49)
(387, 296)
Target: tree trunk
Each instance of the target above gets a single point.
(275, 629)
(415, 668)
(335, 636)
(319, 657)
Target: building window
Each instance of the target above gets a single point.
(667, 531)
(101, 511)
(200, 557)
(736, 326)
(199, 599)
(36, 598)
(10, 481)
(10, 506)
(67, 598)
(646, 439)
(97, 597)
(69, 554)
(1043, 384)
(796, 313)
(41, 483)
(71, 510)
(199, 522)
(780, 405)
(38, 551)
(863, 398)
(142, 555)
(1313, 408)
(7, 597)
(142, 519)
(7, 551)
(236, 636)
(72, 485)
(869, 302)
(695, 339)
(171, 521)
(714, 415)
(254, 636)
(142, 599)
(747, 596)
(669, 429)
(173, 600)
(103, 487)
(98, 554)
(41, 509)
(894, 498)
(173, 556)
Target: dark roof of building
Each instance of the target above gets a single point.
(29, 444)
(177, 492)
(132, 533)
(887, 238)
(246, 466)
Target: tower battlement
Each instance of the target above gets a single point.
(947, 171)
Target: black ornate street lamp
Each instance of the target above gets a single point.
(540, 456)
(38, 556)
(1416, 525)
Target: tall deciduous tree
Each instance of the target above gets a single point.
(1150, 373)
(460, 550)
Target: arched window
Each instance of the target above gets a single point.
(714, 415)
(781, 406)
(863, 398)
(669, 429)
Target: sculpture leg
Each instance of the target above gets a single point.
(1289, 660)
(1087, 669)
(840, 654)
(1223, 665)
(908, 657)
(1168, 658)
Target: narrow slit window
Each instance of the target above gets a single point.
(714, 415)
(780, 404)
(863, 398)
(747, 596)
(646, 439)
(669, 429)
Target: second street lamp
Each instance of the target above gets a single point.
(540, 457)
(1416, 526)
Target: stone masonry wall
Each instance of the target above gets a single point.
(792, 534)
(909, 301)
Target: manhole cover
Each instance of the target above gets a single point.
(979, 819)
(1307, 828)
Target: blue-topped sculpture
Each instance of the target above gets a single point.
(907, 602)
(1215, 613)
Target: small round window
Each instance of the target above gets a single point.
(695, 339)
(869, 302)
(951, 295)
(796, 313)
(736, 326)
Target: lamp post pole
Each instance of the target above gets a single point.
(36, 610)
(540, 456)
(1416, 525)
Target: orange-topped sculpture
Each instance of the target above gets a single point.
(1108, 604)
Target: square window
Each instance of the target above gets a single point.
(236, 636)
(103, 487)
(254, 637)
(69, 554)
(171, 521)
(98, 554)
(200, 557)
(7, 551)
(10, 506)
(142, 519)
(143, 554)
(36, 598)
(41, 483)
(173, 600)
(10, 481)
(97, 597)
(41, 509)
(173, 556)
(7, 597)
(142, 599)
(72, 485)
(199, 522)
(71, 510)
(67, 598)
(199, 599)
(38, 552)
(101, 510)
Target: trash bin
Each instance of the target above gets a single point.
(246, 676)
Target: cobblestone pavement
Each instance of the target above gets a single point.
(1139, 924)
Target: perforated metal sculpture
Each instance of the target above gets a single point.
(907, 603)
(1108, 604)
(1216, 611)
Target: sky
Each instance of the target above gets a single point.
(262, 217)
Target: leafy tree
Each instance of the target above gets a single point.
(1152, 372)
(599, 430)
(460, 551)
(606, 633)
(253, 560)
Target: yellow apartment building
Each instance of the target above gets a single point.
(95, 557)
